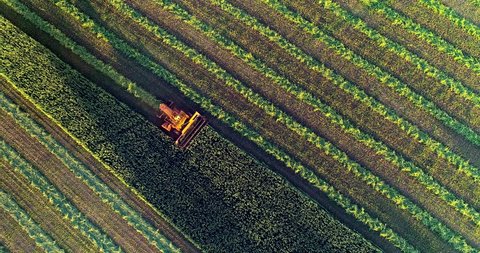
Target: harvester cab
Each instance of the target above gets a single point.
(181, 126)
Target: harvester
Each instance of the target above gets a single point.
(181, 126)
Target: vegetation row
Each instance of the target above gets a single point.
(384, 77)
(42, 239)
(434, 40)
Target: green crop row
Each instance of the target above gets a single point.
(92, 181)
(306, 133)
(392, 46)
(59, 201)
(441, 9)
(442, 45)
(42, 239)
(326, 110)
(216, 111)
(85, 55)
(375, 71)
(441, 150)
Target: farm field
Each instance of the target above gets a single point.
(200, 178)
(334, 126)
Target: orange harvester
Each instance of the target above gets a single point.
(181, 126)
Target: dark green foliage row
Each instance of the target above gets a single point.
(218, 195)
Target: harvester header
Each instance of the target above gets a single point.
(180, 125)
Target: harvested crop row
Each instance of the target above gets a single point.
(280, 116)
(62, 205)
(443, 95)
(386, 41)
(43, 211)
(369, 43)
(454, 17)
(149, 144)
(42, 239)
(99, 188)
(360, 95)
(13, 237)
(466, 9)
(440, 25)
(418, 116)
(327, 112)
(425, 34)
